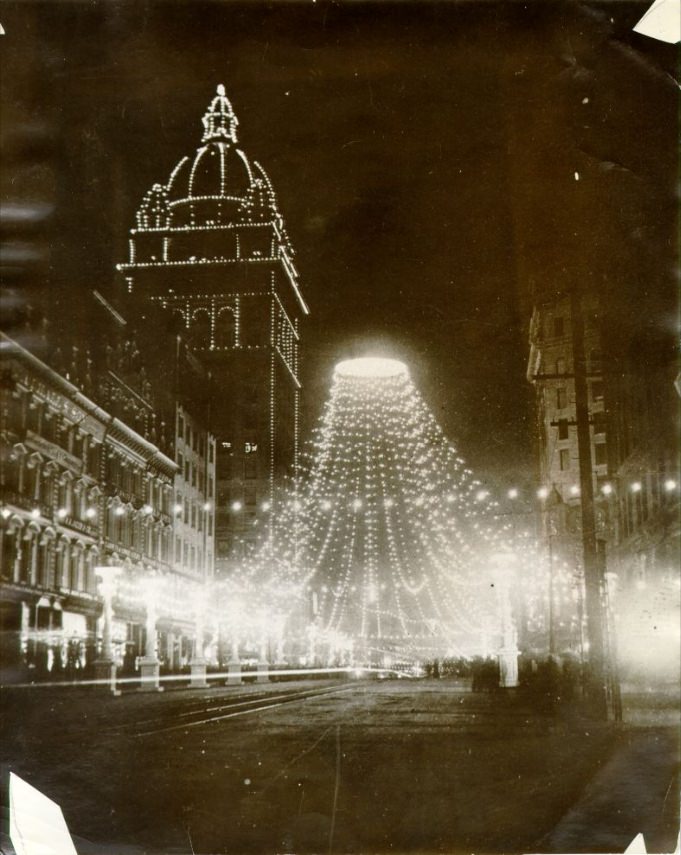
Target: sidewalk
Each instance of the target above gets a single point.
(636, 791)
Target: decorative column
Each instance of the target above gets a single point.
(198, 661)
(263, 665)
(508, 651)
(280, 656)
(105, 667)
(149, 664)
(234, 665)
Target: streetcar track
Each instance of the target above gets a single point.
(292, 699)
(238, 701)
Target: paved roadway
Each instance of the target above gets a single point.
(364, 766)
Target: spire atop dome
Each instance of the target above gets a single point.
(219, 121)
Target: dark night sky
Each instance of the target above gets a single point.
(423, 156)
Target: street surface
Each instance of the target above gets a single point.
(343, 767)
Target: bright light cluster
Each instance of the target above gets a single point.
(388, 538)
(371, 367)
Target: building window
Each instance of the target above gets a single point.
(598, 420)
(560, 365)
(559, 327)
(597, 390)
(564, 459)
(563, 430)
(561, 398)
(250, 496)
(600, 454)
(250, 466)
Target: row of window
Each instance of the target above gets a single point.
(191, 557)
(600, 456)
(131, 532)
(40, 562)
(193, 438)
(563, 402)
(559, 326)
(195, 515)
(135, 482)
(194, 474)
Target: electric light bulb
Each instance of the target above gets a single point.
(606, 489)
(513, 493)
(543, 492)
(636, 487)
(236, 506)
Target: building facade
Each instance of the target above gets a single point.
(210, 247)
(551, 371)
(634, 431)
(80, 488)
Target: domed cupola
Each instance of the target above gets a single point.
(154, 212)
(219, 121)
(208, 188)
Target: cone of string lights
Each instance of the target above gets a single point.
(387, 537)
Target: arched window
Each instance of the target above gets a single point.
(50, 472)
(29, 554)
(45, 557)
(12, 470)
(33, 481)
(225, 328)
(199, 329)
(10, 545)
(61, 554)
(65, 491)
(178, 322)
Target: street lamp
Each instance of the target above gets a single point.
(234, 613)
(263, 665)
(149, 664)
(105, 667)
(502, 568)
(198, 662)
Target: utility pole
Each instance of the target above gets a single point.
(593, 581)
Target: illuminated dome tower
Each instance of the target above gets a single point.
(210, 245)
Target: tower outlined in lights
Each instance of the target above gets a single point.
(211, 247)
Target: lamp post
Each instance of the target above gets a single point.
(502, 563)
(198, 662)
(265, 626)
(105, 667)
(234, 623)
(149, 663)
